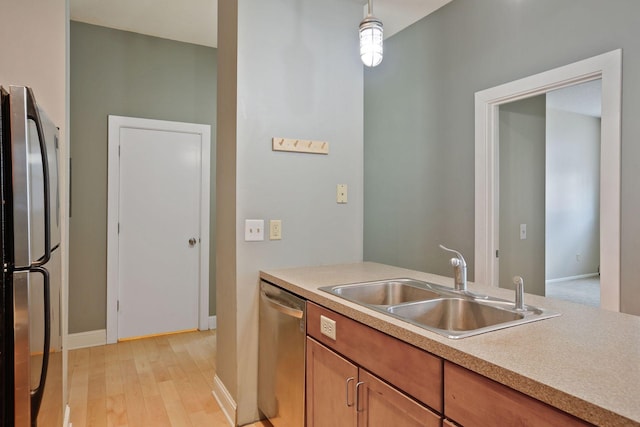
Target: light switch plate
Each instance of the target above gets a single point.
(253, 230)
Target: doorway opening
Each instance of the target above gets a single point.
(608, 68)
(549, 192)
(573, 145)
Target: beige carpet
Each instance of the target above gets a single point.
(582, 291)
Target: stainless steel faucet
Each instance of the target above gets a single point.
(459, 270)
(517, 280)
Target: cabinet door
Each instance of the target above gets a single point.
(331, 383)
(380, 405)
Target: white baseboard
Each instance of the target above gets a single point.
(224, 399)
(67, 416)
(566, 279)
(87, 339)
(99, 337)
(213, 322)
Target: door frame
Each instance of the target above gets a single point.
(113, 207)
(608, 67)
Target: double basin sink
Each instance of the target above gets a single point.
(454, 314)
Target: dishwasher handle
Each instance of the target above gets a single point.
(284, 309)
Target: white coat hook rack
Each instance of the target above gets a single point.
(300, 145)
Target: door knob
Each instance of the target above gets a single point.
(192, 242)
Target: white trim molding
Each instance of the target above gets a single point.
(115, 125)
(67, 416)
(87, 339)
(213, 322)
(608, 67)
(225, 400)
(570, 278)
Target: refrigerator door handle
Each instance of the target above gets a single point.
(32, 113)
(36, 394)
(25, 108)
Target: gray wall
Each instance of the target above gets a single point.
(298, 76)
(573, 194)
(419, 118)
(522, 193)
(122, 73)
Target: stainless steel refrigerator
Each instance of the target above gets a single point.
(30, 296)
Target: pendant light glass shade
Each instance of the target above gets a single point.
(371, 40)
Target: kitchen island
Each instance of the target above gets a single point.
(585, 362)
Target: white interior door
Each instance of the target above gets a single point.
(159, 218)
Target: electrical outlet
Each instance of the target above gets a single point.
(275, 229)
(253, 230)
(341, 193)
(328, 327)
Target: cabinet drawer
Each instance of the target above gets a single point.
(408, 368)
(471, 399)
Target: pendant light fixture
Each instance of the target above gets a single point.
(371, 39)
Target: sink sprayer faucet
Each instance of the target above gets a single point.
(459, 270)
(517, 280)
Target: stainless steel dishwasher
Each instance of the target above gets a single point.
(281, 361)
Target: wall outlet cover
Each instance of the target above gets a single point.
(275, 229)
(328, 327)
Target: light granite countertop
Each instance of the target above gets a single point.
(585, 362)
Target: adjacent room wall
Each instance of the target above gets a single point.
(419, 119)
(522, 193)
(572, 194)
(299, 75)
(127, 74)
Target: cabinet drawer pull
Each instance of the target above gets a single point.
(358, 396)
(350, 379)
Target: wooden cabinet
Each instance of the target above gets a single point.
(339, 393)
(408, 368)
(330, 388)
(471, 399)
(381, 405)
(404, 386)
(366, 378)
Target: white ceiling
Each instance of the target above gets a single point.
(191, 21)
(195, 21)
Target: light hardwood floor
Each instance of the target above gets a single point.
(158, 381)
